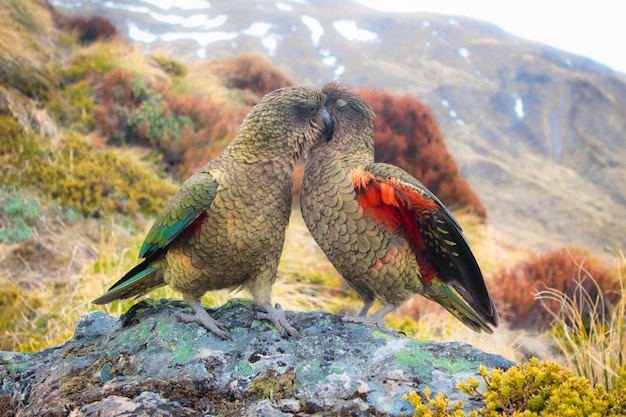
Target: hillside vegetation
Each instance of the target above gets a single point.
(519, 117)
(95, 138)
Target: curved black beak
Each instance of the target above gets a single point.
(328, 123)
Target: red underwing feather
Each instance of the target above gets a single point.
(393, 205)
(196, 226)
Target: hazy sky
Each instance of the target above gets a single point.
(596, 29)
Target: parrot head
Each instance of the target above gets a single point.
(285, 124)
(352, 118)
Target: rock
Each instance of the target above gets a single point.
(149, 363)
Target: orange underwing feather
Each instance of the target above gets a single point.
(374, 203)
(386, 203)
(389, 216)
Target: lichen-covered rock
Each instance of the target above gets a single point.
(149, 363)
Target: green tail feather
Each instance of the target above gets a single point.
(137, 281)
(448, 299)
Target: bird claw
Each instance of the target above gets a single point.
(279, 320)
(373, 321)
(203, 319)
(365, 320)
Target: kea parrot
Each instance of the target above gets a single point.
(384, 231)
(225, 227)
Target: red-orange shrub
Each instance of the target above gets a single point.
(514, 289)
(408, 136)
(212, 127)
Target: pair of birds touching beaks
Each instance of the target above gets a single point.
(387, 235)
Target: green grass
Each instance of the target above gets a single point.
(18, 217)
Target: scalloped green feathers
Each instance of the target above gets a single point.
(225, 227)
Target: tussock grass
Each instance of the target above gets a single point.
(102, 57)
(27, 39)
(45, 282)
(589, 332)
(202, 79)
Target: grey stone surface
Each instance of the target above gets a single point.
(148, 363)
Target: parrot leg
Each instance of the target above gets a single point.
(278, 318)
(365, 309)
(376, 318)
(203, 319)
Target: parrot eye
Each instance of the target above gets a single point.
(312, 108)
(341, 103)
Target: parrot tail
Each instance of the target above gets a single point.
(448, 299)
(136, 282)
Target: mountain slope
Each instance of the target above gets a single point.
(538, 133)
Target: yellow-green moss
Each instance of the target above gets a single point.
(74, 106)
(98, 59)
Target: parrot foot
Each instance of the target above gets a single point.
(203, 319)
(279, 319)
(365, 320)
(375, 319)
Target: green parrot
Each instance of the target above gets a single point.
(386, 234)
(225, 227)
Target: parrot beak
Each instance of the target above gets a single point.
(328, 123)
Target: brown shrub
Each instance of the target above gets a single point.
(212, 128)
(514, 289)
(408, 136)
(114, 94)
(91, 29)
(254, 73)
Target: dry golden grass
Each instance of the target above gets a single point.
(27, 36)
(589, 332)
(202, 79)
